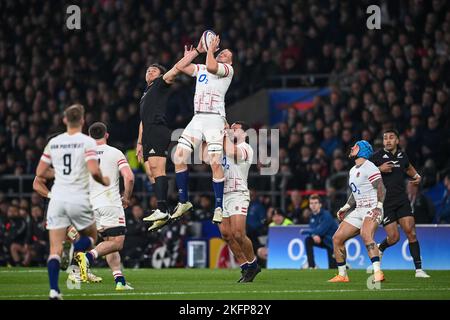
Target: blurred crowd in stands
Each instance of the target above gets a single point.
(394, 77)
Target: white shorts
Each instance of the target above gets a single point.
(357, 216)
(61, 214)
(204, 127)
(235, 203)
(109, 217)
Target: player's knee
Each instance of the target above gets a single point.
(394, 238)
(119, 244)
(366, 237)
(411, 235)
(338, 240)
(239, 236)
(226, 236)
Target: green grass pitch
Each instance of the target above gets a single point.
(206, 284)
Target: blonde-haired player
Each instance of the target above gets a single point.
(74, 159)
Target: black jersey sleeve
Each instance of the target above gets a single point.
(377, 159)
(406, 161)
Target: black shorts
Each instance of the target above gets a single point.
(155, 141)
(393, 212)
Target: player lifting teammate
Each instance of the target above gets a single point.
(393, 164)
(367, 193)
(236, 162)
(73, 157)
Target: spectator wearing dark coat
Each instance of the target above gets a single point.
(322, 227)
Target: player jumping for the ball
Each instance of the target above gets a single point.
(208, 123)
(368, 193)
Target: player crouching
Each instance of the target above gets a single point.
(368, 193)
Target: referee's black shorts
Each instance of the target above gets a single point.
(155, 141)
(395, 211)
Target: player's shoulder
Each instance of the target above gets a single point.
(378, 154)
(369, 165)
(229, 71)
(89, 140)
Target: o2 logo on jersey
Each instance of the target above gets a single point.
(203, 78)
(354, 188)
(225, 164)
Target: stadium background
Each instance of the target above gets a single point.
(308, 68)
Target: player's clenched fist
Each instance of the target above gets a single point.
(342, 212)
(375, 213)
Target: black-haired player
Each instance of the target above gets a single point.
(394, 164)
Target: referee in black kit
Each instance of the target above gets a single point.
(393, 164)
(154, 136)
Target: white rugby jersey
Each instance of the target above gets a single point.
(210, 89)
(236, 173)
(112, 161)
(360, 182)
(68, 154)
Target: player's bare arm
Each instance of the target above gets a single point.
(169, 76)
(40, 187)
(96, 173)
(139, 151)
(211, 63)
(128, 182)
(185, 65)
(350, 203)
(381, 194)
(413, 174)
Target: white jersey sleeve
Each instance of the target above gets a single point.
(373, 173)
(197, 69)
(89, 151)
(225, 70)
(46, 154)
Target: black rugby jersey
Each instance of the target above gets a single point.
(393, 181)
(154, 102)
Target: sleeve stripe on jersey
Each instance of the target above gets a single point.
(122, 161)
(46, 160)
(90, 152)
(244, 153)
(227, 71)
(46, 155)
(376, 173)
(374, 177)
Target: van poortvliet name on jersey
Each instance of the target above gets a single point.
(67, 146)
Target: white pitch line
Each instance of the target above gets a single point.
(176, 293)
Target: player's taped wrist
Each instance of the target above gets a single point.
(416, 176)
(345, 207)
(49, 195)
(380, 205)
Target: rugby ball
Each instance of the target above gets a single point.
(207, 38)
